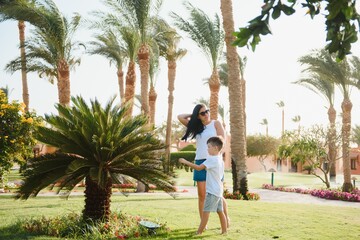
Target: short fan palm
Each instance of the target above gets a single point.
(100, 145)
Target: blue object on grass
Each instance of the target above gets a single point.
(151, 226)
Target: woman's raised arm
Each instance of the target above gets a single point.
(184, 118)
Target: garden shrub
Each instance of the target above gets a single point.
(119, 226)
(238, 196)
(174, 157)
(190, 147)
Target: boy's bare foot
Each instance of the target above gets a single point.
(224, 233)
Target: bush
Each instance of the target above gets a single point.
(239, 196)
(174, 157)
(16, 133)
(120, 226)
(190, 147)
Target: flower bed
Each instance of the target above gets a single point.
(239, 196)
(330, 194)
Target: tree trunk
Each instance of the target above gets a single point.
(243, 88)
(97, 201)
(120, 75)
(171, 88)
(143, 56)
(25, 88)
(152, 104)
(332, 143)
(236, 96)
(214, 85)
(346, 107)
(130, 87)
(63, 82)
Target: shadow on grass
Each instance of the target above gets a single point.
(184, 233)
(15, 232)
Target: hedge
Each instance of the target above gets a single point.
(174, 157)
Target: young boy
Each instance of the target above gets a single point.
(214, 186)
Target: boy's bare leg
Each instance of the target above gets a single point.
(222, 222)
(204, 221)
(226, 212)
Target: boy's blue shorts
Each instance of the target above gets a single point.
(199, 176)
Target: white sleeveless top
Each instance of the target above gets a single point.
(201, 139)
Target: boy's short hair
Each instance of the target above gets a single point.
(216, 141)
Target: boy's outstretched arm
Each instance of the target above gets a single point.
(192, 165)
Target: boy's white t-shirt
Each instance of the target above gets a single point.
(214, 172)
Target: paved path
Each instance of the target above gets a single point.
(265, 196)
(286, 197)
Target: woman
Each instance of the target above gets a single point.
(201, 127)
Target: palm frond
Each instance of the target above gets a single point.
(208, 35)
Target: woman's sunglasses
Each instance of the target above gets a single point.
(204, 112)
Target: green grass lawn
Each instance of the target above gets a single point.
(249, 219)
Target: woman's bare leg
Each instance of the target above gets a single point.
(201, 189)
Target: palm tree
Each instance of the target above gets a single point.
(21, 27)
(25, 88)
(100, 144)
(50, 52)
(168, 41)
(209, 37)
(282, 106)
(109, 46)
(153, 70)
(132, 41)
(344, 74)
(237, 104)
(224, 70)
(224, 79)
(130, 37)
(325, 88)
(265, 123)
(139, 15)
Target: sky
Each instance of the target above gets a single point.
(269, 72)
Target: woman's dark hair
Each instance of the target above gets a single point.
(195, 126)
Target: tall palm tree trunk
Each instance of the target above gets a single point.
(130, 86)
(346, 107)
(237, 121)
(243, 88)
(152, 104)
(143, 56)
(97, 200)
(144, 62)
(332, 144)
(214, 85)
(25, 88)
(171, 88)
(120, 75)
(63, 83)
